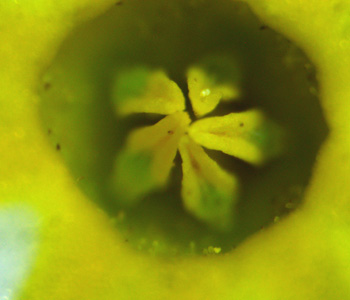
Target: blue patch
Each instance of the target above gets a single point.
(18, 245)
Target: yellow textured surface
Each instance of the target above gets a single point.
(305, 256)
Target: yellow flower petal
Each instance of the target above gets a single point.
(145, 164)
(247, 135)
(141, 90)
(208, 191)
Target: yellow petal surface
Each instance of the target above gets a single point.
(249, 136)
(145, 163)
(142, 90)
(208, 191)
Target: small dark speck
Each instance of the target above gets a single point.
(126, 240)
(170, 132)
(195, 165)
(119, 3)
(49, 131)
(310, 77)
(58, 147)
(47, 85)
(263, 27)
(241, 124)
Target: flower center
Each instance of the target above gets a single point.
(208, 191)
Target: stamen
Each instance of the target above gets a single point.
(208, 191)
(145, 163)
(250, 136)
(213, 80)
(142, 90)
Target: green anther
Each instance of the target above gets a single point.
(212, 80)
(249, 135)
(269, 138)
(143, 90)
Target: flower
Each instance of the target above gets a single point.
(304, 256)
